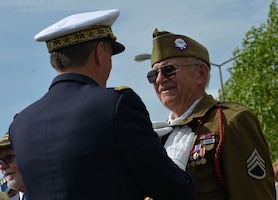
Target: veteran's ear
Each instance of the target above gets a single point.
(202, 71)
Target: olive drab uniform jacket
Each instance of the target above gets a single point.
(230, 157)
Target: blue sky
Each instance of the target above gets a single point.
(26, 73)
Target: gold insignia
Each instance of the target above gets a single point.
(5, 141)
(5, 138)
(123, 87)
(92, 33)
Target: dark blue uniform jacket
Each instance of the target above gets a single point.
(84, 142)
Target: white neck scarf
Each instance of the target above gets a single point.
(184, 115)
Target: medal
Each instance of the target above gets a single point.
(195, 156)
(203, 161)
(198, 162)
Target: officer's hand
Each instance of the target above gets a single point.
(161, 128)
(178, 145)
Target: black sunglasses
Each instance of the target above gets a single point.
(168, 71)
(8, 159)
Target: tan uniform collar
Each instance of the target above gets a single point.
(206, 103)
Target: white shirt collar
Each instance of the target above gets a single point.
(184, 115)
(21, 195)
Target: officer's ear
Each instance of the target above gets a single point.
(99, 52)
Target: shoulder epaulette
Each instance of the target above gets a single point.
(123, 87)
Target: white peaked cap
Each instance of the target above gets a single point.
(80, 28)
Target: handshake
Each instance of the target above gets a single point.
(179, 143)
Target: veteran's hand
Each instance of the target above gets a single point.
(178, 145)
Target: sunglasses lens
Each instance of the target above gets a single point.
(152, 75)
(168, 71)
(7, 159)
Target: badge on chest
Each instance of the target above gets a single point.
(202, 144)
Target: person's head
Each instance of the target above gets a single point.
(83, 43)
(8, 165)
(180, 70)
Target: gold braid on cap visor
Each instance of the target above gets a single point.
(91, 33)
(5, 138)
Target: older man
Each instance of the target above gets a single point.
(10, 170)
(229, 156)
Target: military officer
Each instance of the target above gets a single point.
(229, 156)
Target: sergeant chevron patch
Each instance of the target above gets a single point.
(256, 165)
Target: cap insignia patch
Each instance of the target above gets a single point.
(180, 44)
(256, 165)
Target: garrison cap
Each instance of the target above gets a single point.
(5, 141)
(168, 45)
(80, 28)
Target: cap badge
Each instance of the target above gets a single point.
(180, 44)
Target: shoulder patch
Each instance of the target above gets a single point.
(256, 165)
(123, 87)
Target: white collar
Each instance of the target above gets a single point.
(184, 115)
(21, 195)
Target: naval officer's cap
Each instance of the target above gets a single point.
(5, 141)
(79, 28)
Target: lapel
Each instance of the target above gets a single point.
(206, 103)
(15, 197)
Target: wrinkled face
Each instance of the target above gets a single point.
(182, 86)
(9, 168)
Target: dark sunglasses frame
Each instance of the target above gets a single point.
(8, 159)
(168, 71)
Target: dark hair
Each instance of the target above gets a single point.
(75, 55)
